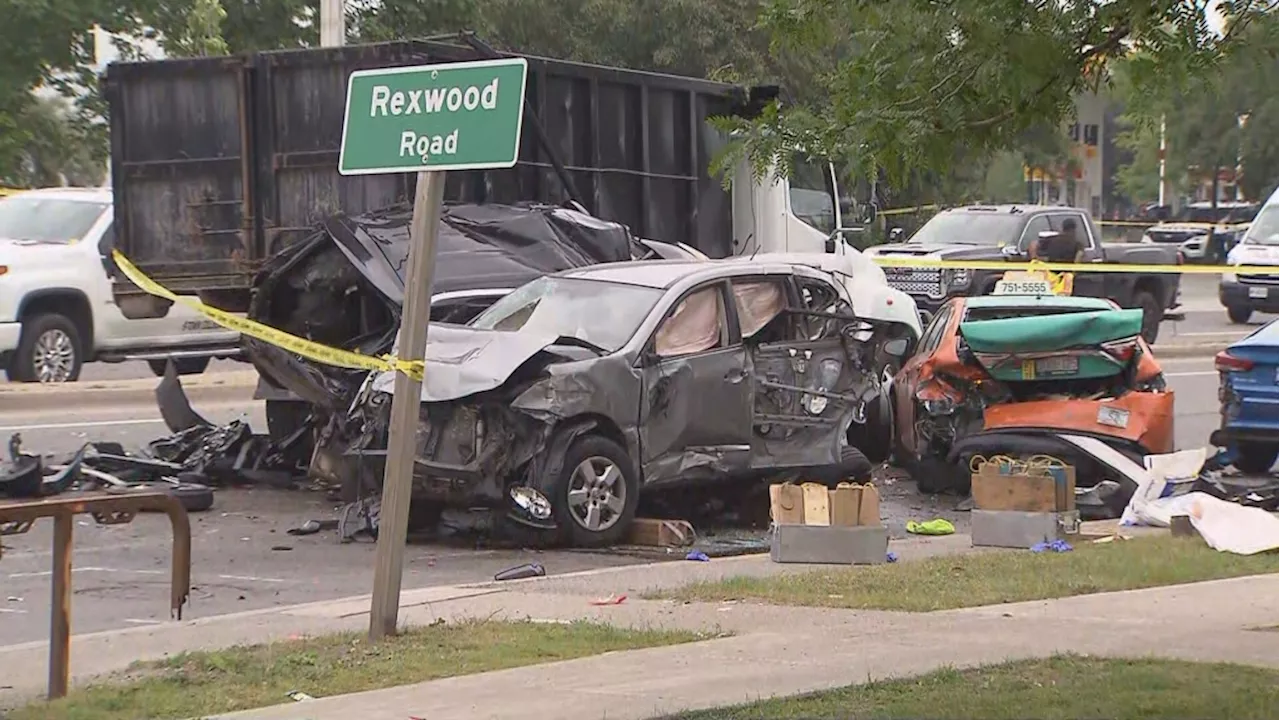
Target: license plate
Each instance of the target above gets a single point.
(1258, 292)
(1049, 367)
(1023, 287)
(1113, 417)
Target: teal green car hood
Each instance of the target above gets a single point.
(1047, 333)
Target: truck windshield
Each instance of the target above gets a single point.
(1265, 230)
(964, 227)
(602, 314)
(47, 220)
(812, 197)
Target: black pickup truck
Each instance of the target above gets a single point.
(1005, 233)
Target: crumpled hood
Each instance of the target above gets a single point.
(463, 361)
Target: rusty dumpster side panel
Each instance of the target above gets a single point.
(180, 166)
(218, 163)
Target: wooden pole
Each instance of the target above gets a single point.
(60, 618)
(397, 483)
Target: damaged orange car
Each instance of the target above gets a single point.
(1024, 375)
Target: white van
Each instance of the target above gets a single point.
(1243, 295)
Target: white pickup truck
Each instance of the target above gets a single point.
(56, 307)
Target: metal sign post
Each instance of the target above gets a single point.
(427, 119)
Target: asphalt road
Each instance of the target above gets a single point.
(244, 559)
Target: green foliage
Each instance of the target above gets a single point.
(1202, 112)
(916, 79)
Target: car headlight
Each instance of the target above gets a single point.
(958, 277)
(1229, 277)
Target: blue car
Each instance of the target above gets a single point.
(1250, 400)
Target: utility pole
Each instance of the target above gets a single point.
(1240, 121)
(333, 23)
(1160, 200)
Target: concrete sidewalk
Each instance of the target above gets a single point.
(771, 650)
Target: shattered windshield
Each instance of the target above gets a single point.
(603, 314)
(1265, 230)
(47, 220)
(970, 228)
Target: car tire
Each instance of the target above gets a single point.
(43, 334)
(184, 366)
(1239, 315)
(875, 436)
(586, 456)
(1152, 314)
(1256, 458)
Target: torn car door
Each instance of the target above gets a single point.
(695, 408)
(804, 379)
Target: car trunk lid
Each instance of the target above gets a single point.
(1067, 346)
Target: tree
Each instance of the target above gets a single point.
(923, 77)
(1202, 115)
(61, 149)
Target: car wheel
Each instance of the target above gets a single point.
(875, 436)
(49, 351)
(853, 467)
(1152, 315)
(594, 498)
(184, 366)
(1239, 315)
(1256, 458)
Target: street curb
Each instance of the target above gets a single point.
(215, 388)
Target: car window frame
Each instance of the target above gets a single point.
(730, 336)
(1024, 243)
(1080, 218)
(932, 337)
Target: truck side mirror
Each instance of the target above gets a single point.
(896, 235)
(1011, 251)
(830, 245)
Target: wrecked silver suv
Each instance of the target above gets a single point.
(566, 399)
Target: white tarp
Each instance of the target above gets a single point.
(1165, 492)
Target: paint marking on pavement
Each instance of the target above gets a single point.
(47, 573)
(139, 621)
(1194, 373)
(67, 426)
(251, 578)
(13, 611)
(76, 552)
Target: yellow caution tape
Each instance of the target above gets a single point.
(910, 262)
(300, 346)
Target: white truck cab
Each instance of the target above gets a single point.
(801, 215)
(57, 311)
(1243, 295)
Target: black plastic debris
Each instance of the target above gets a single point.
(520, 572)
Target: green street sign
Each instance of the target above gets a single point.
(451, 116)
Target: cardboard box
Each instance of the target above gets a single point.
(786, 504)
(829, 545)
(995, 487)
(1017, 529)
(848, 505)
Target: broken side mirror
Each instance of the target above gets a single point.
(896, 347)
(897, 235)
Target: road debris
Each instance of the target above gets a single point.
(520, 572)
